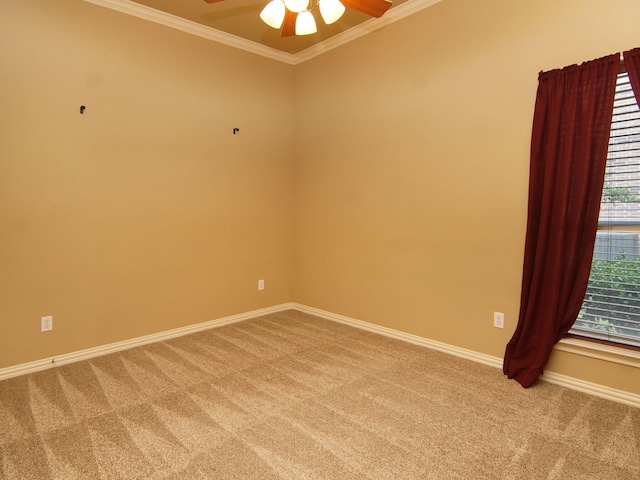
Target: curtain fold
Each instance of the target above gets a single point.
(632, 64)
(571, 124)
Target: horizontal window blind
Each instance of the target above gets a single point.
(611, 307)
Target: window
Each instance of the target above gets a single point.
(611, 307)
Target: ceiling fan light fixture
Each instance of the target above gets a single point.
(331, 10)
(305, 23)
(273, 13)
(297, 6)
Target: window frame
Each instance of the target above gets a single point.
(580, 334)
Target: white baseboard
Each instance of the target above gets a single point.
(496, 362)
(406, 337)
(592, 388)
(551, 377)
(45, 363)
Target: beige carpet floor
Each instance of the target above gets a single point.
(292, 396)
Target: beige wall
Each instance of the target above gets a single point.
(412, 154)
(405, 207)
(146, 213)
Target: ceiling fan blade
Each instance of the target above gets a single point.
(289, 23)
(375, 8)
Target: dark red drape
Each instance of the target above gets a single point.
(632, 64)
(569, 142)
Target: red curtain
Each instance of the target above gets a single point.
(632, 64)
(569, 143)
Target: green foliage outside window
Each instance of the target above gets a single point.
(618, 195)
(614, 282)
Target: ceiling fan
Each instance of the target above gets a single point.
(295, 17)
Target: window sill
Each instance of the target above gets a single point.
(608, 353)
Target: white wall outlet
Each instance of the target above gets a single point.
(260, 284)
(46, 323)
(498, 319)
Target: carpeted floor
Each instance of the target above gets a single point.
(292, 396)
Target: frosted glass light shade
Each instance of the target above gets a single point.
(305, 24)
(273, 13)
(297, 6)
(331, 10)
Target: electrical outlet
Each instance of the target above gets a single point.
(46, 323)
(260, 284)
(498, 319)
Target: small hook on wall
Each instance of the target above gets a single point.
(82, 108)
(236, 130)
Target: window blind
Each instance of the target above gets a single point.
(611, 307)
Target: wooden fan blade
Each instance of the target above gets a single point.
(289, 23)
(375, 8)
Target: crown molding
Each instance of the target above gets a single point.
(393, 15)
(151, 14)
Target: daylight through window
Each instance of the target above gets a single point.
(611, 307)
